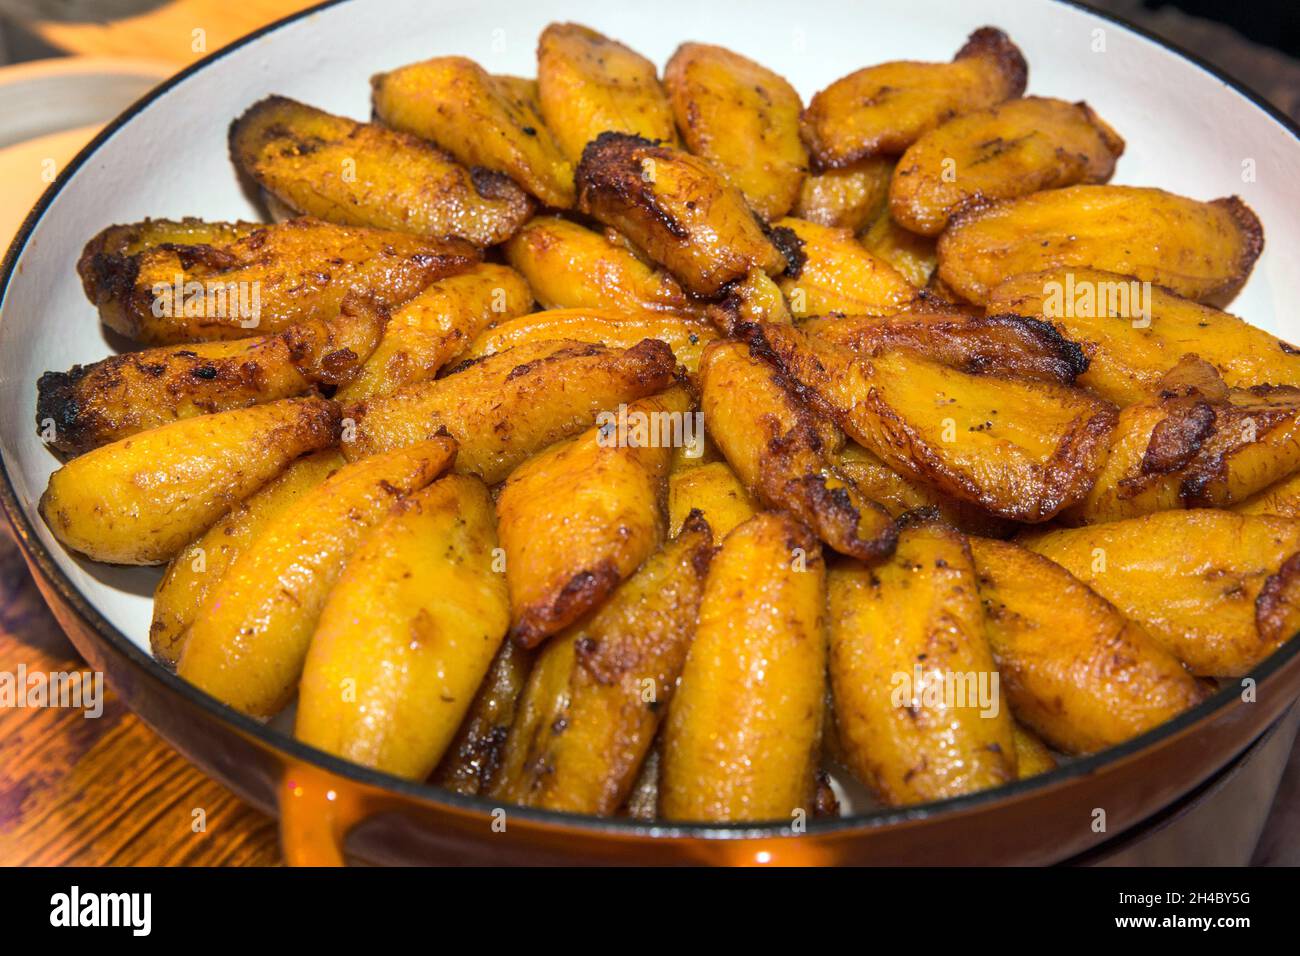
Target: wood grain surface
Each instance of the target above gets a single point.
(102, 791)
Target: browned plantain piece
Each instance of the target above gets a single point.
(755, 298)
(362, 174)
(886, 108)
(579, 518)
(506, 407)
(572, 267)
(141, 499)
(743, 734)
(1201, 250)
(831, 271)
(1281, 499)
(1216, 589)
(677, 208)
(262, 282)
(1020, 449)
(687, 337)
(431, 329)
(783, 454)
(1010, 345)
(1133, 334)
(904, 497)
(744, 119)
(1195, 446)
(1075, 670)
(584, 753)
(916, 257)
(848, 198)
(918, 704)
(92, 405)
(589, 84)
(1012, 149)
(474, 757)
(134, 238)
(480, 119)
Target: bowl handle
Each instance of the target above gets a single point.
(316, 813)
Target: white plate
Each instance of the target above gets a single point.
(1186, 131)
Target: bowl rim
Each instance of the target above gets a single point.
(429, 794)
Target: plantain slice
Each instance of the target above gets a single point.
(1075, 670)
(1198, 445)
(1019, 449)
(361, 174)
(584, 753)
(711, 490)
(572, 267)
(142, 499)
(247, 644)
(1012, 149)
(744, 119)
(123, 395)
(261, 282)
(435, 326)
(902, 497)
(848, 198)
(755, 298)
(783, 454)
(677, 208)
(1216, 589)
(884, 109)
(476, 754)
(916, 257)
(1133, 334)
(131, 239)
(506, 407)
(1281, 498)
(589, 84)
(1009, 345)
(831, 271)
(1032, 756)
(743, 733)
(199, 567)
(582, 516)
(918, 703)
(1201, 250)
(392, 694)
(480, 119)
(686, 336)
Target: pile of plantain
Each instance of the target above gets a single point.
(969, 413)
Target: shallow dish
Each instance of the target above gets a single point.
(1187, 130)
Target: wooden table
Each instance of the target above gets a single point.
(105, 791)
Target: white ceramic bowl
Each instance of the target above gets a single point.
(1186, 130)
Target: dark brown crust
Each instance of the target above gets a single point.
(1178, 438)
(993, 43)
(610, 167)
(1276, 607)
(579, 594)
(1252, 233)
(612, 187)
(1002, 344)
(789, 244)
